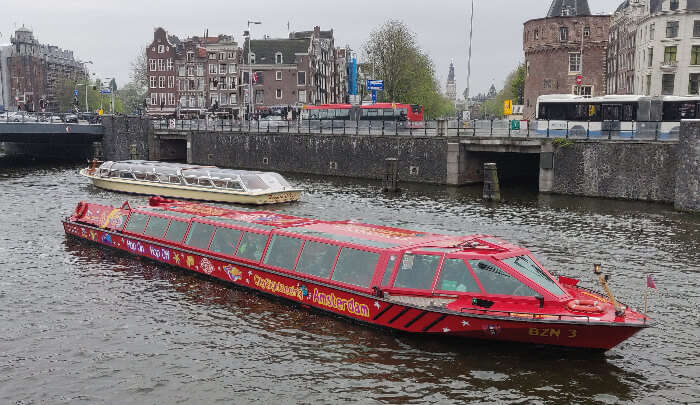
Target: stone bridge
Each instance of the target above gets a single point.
(50, 140)
(634, 169)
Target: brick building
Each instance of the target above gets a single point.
(161, 73)
(622, 45)
(553, 52)
(31, 73)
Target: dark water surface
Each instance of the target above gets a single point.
(81, 324)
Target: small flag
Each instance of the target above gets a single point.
(650, 282)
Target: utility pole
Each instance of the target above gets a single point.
(251, 101)
(469, 60)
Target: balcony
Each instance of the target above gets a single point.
(669, 66)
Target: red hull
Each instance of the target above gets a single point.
(379, 311)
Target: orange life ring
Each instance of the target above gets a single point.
(80, 210)
(585, 306)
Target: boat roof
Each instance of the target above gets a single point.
(375, 236)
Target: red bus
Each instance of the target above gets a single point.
(370, 112)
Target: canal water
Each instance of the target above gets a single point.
(80, 324)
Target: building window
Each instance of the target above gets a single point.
(154, 98)
(222, 69)
(696, 28)
(537, 34)
(278, 58)
(180, 70)
(672, 29)
(200, 69)
(171, 82)
(258, 78)
(222, 55)
(213, 98)
(278, 75)
(152, 65)
(213, 70)
(648, 85)
(234, 99)
(251, 59)
(674, 5)
(212, 55)
(259, 96)
(161, 65)
(169, 64)
(547, 84)
(152, 82)
(667, 83)
(652, 31)
(193, 101)
(161, 48)
(694, 84)
(190, 56)
(651, 57)
(301, 78)
(574, 62)
(161, 82)
(586, 91)
(563, 33)
(278, 93)
(301, 96)
(670, 55)
(183, 101)
(171, 98)
(232, 68)
(230, 55)
(213, 83)
(586, 32)
(695, 55)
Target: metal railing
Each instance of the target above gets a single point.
(23, 117)
(617, 130)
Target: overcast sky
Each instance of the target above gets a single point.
(109, 32)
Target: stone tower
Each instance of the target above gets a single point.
(451, 83)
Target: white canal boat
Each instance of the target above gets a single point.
(206, 183)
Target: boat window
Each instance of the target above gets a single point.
(140, 176)
(136, 222)
(114, 173)
(205, 182)
(175, 180)
(199, 235)
(455, 276)
(191, 181)
(163, 177)
(497, 281)
(234, 185)
(126, 175)
(104, 173)
(283, 252)
(254, 182)
(252, 246)
(176, 231)
(219, 183)
(355, 267)
(151, 177)
(317, 259)
(417, 271)
(156, 226)
(527, 267)
(389, 270)
(225, 241)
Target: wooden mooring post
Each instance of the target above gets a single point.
(492, 189)
(391, 175)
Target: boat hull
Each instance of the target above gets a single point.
(191, 193)
(374, 310)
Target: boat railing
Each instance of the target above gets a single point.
(527, 315)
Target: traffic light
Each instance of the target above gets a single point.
(75, 101)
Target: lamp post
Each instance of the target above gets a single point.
(111, 91)
(87, 81)
(251, 100)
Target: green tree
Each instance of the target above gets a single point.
(131, 95)
(407, 71)
(514, 89)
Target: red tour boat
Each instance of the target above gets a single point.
(476, 286)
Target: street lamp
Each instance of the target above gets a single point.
(251, 100)
(87, 82)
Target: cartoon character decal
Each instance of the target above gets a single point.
(233, 273)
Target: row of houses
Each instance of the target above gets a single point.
(216, 73)
(31, 73)
(646, 47)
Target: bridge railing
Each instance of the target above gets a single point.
(612, 130)
(23, 117)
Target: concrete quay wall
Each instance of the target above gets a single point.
(421, 160)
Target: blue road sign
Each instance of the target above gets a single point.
(75, 93)
(105, 91)
(374, 96)
(375, 85)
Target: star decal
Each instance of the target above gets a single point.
(376, 304)
(465, 323)
(250, 272)
(446, 330)
(247, 281)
